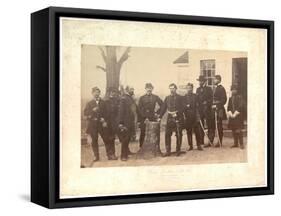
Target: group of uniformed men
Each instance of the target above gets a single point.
(115, 116)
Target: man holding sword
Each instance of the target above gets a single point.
(205, 99)
(174, 106)
(218, 110)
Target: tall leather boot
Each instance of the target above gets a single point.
(178, 148)
(157, 146)
(190, 143)
(240, 138)
(112, 152)
(211, 134)
(96, 152)
(235, 137)
(142, 134)
(167, 145)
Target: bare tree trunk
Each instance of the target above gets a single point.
(112, 66)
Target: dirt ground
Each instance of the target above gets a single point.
(209, 155)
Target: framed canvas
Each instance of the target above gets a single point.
(138, 107)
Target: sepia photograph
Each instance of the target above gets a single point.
(188, 106)
(151, 107)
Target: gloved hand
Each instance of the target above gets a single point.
(174, 115)
(230, 115)
(95, 109)
(122, 127)
(236, 113)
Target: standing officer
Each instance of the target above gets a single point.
(218, 110)
(173, 104)
(191, 117)
(95, 113)
(131, 91)
(147, 109)
(112, 108)
(126, 122)
(236, 112)
(205, 99)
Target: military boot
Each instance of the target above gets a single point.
(241, 141)
(235, 137)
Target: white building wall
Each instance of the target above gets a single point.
(223, 60)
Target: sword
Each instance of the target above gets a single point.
(201, 124)
(216, 122)
(146, 121)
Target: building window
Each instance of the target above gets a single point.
(208, 70)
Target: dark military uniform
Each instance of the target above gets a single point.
(95, 113)
(126, 117)
(173, 104)
(219, 100)
(191, 118)
(112, 108)
(146, 107)
(236, 124)
(205, 100)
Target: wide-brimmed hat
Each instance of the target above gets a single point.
(201, 78)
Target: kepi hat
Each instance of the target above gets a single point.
(201, 78)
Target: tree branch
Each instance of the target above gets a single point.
(100, 67)
(125, 56)
(102, 53)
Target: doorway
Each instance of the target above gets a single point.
(240, 76)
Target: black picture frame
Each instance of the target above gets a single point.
(45, 106)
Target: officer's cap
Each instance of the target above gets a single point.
(218, 77)
(95, 89)
(148, 85)
(112, 89)
(189, 84)
(127, 88)
(174, 85)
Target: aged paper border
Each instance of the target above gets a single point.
(92, 182)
